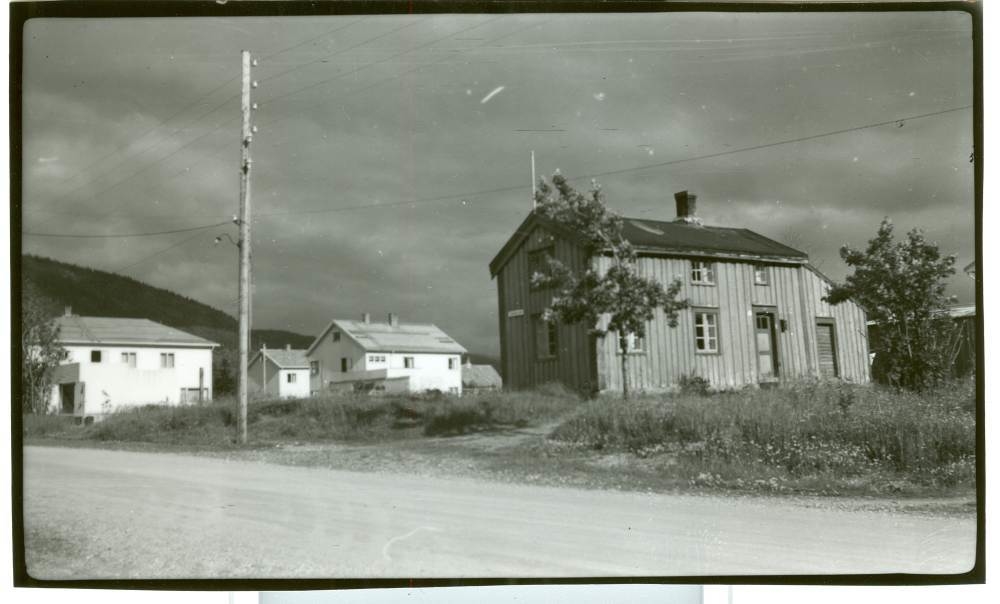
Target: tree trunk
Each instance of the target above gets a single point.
(623, 346)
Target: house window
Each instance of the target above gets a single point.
(546, 338)
(128, 358)
(408, 362)
(706, 331)
(761, 275)
(313, 367)
(702, 273)
(634, 342)
(291, 378)
(336, 336)
(538, 263)
(66, 355)
(95, 356)
(453, 390)
(344, 364)
(167, 360)
(451, 363)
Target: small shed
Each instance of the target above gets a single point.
(477, 378)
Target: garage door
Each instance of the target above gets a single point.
(826, 345)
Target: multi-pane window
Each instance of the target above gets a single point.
(546, 338)
(702, 272)
(538, 263)
(408, 362)
(313, 367)
(95, 356)
(376, 358)
(167, 360)
(291, 378)
(706, 331)
(634, 343)
(336, 336)
(452, 363)
(128, 358)
(761, 275)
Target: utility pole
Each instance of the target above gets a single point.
(534, 190)
(244, 245)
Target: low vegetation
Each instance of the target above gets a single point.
(806, 437)
(345, 418)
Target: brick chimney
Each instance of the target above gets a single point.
(686, 204)
(366, 318)
(393, 319)
(68, 311)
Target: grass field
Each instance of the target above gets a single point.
(802, 438)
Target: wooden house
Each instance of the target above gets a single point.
(110, 363)
(756, 312)
(384, 357)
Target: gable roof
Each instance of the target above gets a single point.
(383, 337)
(671, 238)
(74, 329)
(480, 376)
(284, 358)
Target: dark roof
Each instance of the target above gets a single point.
(284, 358)
(669, 236)
(674, 238)
(74, 329)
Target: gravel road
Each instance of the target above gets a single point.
(93, 513)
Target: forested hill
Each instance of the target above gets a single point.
(98, 293)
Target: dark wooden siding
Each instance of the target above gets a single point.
(521, 366)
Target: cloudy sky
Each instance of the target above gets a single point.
(392, 157)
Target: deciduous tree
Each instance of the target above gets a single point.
(618, 299)
(901, 286)
(40, 351)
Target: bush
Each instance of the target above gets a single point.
(38, 426)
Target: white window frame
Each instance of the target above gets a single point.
(291, 378)
(409, 363)
(452, 364)
(709, 337)
(761, 274)
(313, 367)
(636, 345)
(130, 359)
(702, 272)
(167, 360)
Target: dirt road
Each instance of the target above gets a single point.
(92, 513)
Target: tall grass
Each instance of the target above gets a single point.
(803, 429)
(346, 417)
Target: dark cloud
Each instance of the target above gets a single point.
(132, 126)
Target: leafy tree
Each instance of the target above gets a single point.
(620, 294)
(40, 351)
(902, 288)
(223, 378)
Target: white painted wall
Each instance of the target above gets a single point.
(297, 389)
(112, 383)
(430, 371)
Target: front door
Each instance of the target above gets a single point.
(66, 398)
(767, 356)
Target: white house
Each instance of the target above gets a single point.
(391, 357)
(279, 373)
(111, 363)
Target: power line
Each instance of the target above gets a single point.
(125, 235)
(155, 254)
(623, 170)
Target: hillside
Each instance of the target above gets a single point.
(92, 292)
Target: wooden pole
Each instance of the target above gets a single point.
(201, 385)
(244, 330)
(534, 190)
